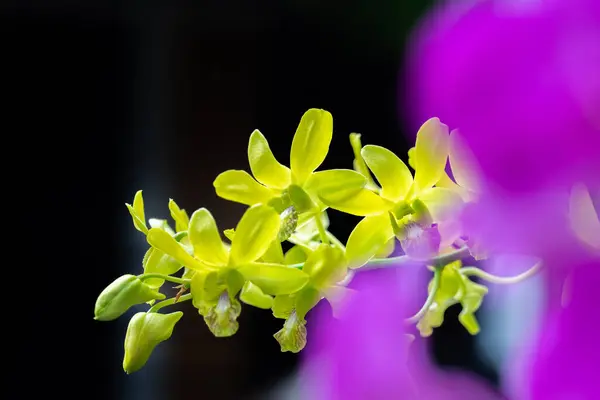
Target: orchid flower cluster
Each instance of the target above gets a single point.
(287, 209)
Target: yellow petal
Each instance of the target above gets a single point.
(300, 199)
(137, 212)
(295, 255)
(179, 216)
(465, 168)
(360, 202)
(265, 168)
(137, 222)
(257, 228)
(162, 224)
(583, 217)
(358, 163)
(446, 182)
(442, 203)
(431, 153)
(138, 205)
(274, 279)
(164, 242)
(387, 249)
(252, 295)
(336, 181)
(412, 158)
(391, 172)
(369, 236)
(205, 238)
(239, 186)
(274, 253)
(325, 266)
(310, 144)
(205, 288)
(306, 299)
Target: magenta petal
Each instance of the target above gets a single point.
(564, 363)
(365, 354)
(522, 86)
(362, 354)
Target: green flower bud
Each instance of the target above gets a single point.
(221, 318)
(125, 292)
(454, 288)
(445, 297)
(144, 332)
(471, 301)
(289, 222)
(292, 337)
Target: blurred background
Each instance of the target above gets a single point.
(162, 96)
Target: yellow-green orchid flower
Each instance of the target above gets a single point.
(281, 187)
(466, 183)
(220, 272)
(156, 261)
(326, 267)
(464, 168)
(453, 288)
(399, 193)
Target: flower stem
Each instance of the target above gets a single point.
(335, 240)
(169, 278)
(500, 280)
(169, 302)
(437, 278)
(400, 261)
(321, 227)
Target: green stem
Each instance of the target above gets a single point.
(321, 227)
(169, 302)
(180, 235)
(400, 261)
(437, 278)
(169, 278)
(500, 280)
(335, 241)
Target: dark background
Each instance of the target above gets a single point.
(162, 96)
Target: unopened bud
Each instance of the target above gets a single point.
(144, 332)
(125, 292)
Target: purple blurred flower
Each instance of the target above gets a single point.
(563, 361)
(365, 352)
(520, 81)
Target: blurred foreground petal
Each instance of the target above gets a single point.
(366, 353)
(563, 362)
